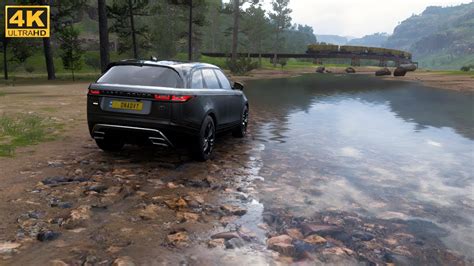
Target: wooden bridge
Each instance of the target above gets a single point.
(354, 57)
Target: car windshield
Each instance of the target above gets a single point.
(142, 76)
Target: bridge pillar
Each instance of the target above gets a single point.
(355, 61)
(383, 63)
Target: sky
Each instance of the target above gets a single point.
(357, 18)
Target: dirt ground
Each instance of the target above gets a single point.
(66, 202)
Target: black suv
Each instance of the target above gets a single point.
(165, 103)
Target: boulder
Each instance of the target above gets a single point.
(409, 67)
(399, 72)
(350, 70)
(383, 72)
(320, 69)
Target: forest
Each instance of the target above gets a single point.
(86, 34)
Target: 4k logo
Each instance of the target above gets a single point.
(27, 21)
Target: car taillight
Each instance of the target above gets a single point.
(173, 98)
(181, 98)
(162, 97)
(94, 92)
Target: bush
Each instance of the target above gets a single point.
(466, 68)
(93, 61)
(30, 69)
(241, 66)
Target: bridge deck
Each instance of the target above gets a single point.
(400, 60)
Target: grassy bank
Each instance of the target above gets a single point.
(22, 130)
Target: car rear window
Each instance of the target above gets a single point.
(142, 76)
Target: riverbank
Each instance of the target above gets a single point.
(450, 80)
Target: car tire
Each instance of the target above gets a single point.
(205, 142)
(241, 130)
(110, 145)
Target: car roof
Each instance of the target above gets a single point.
(183, 68)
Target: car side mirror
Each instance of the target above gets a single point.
(238, 86)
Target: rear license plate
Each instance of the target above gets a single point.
(135, 106)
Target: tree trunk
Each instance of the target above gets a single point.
(48, 56)
(132, 26)
(276, 48)
(190, 33)
(235, 32)
(103, 35)
(5, 63)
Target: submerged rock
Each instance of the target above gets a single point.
(235, 210)
(350, 70)
(315, 240)
(320, 229)
(400, 72)
(226, 235)
(294, 233)
(178, 239)
(383, 72)
(214, 243)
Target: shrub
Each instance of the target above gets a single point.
(93, 61)
(466, 68)
(30, 69)
(241, 66)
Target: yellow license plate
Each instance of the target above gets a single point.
(136, 106)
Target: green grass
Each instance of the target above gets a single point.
(2, 93)
(22, 130)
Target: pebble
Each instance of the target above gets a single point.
(226, 235)
(214, 243)
(8, 247)
(315, 240)
(178, 239)
(187, 216)
(47, 236)
(235, 210)
(294, 233)
(123, 261)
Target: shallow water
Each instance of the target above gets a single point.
(389, 150)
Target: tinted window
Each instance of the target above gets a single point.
(142, 75)
(210, 79)
(196, 82)
(223, 79)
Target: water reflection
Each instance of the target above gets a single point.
(392, 150)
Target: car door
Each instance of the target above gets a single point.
(236, 99)
(220, 98)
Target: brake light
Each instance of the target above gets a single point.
(94, 92)
(162, 97)
(181, 98)
(173, 98)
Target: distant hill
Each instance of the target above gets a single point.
(373, 40)
(439, 37)
(333, 39)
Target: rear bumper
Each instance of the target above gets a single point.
(155, 136)
(132, 128)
